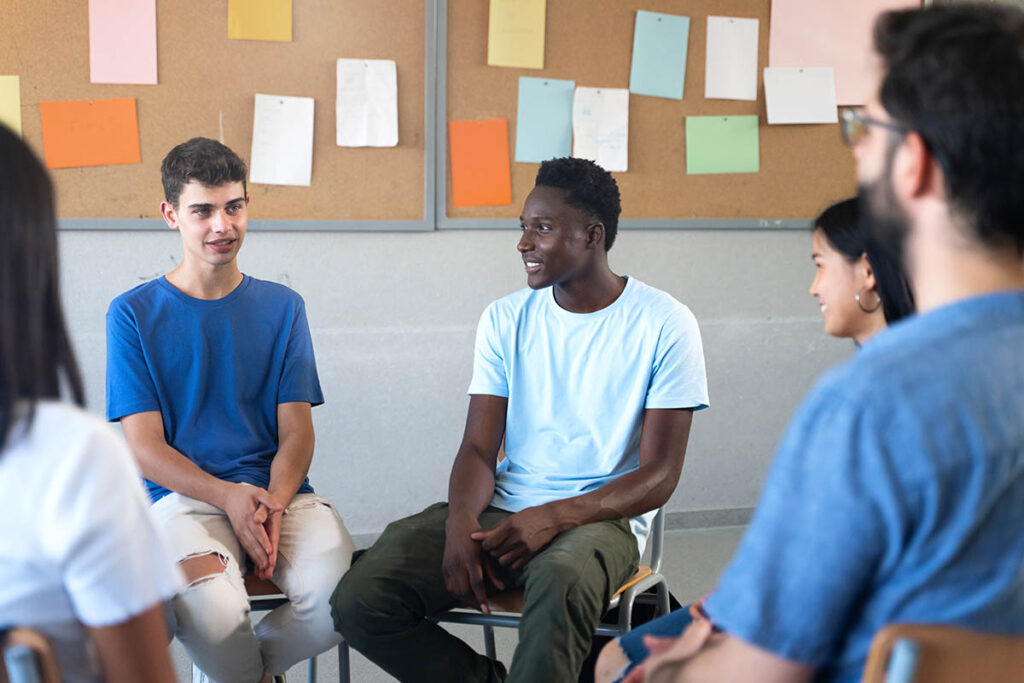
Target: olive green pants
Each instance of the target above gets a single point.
(381, 603)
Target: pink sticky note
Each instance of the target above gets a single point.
(122, 41)
(836, 33)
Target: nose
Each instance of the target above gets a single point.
(218, 222)
(525, 243)
(813, 289)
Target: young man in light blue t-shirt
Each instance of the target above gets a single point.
(211, 373)
(590, 380)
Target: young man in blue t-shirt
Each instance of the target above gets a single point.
(211, 373)
(897, 495)
(590, 379)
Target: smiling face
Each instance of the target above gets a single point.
(837, 282)
(211, 221)
(558, 241)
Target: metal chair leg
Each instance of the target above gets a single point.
(489, 648)
(311, 669)
(344, 674)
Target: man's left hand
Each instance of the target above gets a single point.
(271, 521)
(516, 539)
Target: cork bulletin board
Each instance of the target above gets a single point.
(802, 167)
(206, 85)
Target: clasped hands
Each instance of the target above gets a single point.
(471, 552)
(255, 517)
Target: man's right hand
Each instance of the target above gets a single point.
(463, 564)
(240, 503)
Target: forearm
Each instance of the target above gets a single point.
(632, 494)
(471, 485)
(290, 466)
(168, 467)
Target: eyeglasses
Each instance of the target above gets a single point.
(853, 126)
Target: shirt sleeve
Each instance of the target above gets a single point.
(114, 562)
(299, 379)
(130, 387)
(679, 379)
(827, 514)
(489, 376)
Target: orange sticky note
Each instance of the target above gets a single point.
(90, 133)
(480, 162)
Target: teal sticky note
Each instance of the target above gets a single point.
(659, 55)
(544, 119)
(722, 144)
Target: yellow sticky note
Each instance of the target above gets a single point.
(515, 33)
(10, 103)
(260, 20)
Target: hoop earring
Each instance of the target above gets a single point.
(874, 308)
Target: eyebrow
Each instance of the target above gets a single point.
(537, 218)
(236, 200)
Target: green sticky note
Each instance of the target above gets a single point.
(722, 144)
(10, 103)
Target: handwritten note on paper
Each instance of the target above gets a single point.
(282, 140)
(600, 127)
(722, 144)
(544, 119)
(90, 133)
(122, 41)
(800, 94)
(731, 67)
(515, 33)
(659, 55)
(10, 103)
(480, 163)
(836, 33)
(367, 104)
(260, 20)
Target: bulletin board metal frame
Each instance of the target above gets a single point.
(425, 224)
(445, 222)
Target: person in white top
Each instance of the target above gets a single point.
(80, 559)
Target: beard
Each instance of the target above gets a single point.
(883, 218)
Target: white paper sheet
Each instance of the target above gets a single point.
(800, 94)
(367, 105)
(600, 126)
(731, 66)
(282, 140)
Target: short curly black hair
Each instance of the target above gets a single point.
(590, 189)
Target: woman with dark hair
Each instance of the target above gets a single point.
(859, 288)
(80, 560)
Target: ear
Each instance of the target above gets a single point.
(169, 214)
(866, 273)
(916, 171)
(595, 235)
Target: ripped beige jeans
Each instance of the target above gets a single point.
(212, 613)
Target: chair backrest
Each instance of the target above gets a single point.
(919, 653)
(28, 658)
(657, 538)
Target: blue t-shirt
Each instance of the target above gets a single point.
(578, 384)
(897, 495)
(216, 371)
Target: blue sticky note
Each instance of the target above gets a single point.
(544, 119)
(659, 55)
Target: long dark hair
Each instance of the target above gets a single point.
(842, 226)
(35, 351)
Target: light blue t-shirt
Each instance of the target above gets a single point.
(578, 384)
(897, 495)
(216, 371)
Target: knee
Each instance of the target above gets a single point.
(212, 606)
(610, 663)
(357, 603)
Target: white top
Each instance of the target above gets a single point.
(77, 545)
(578, 385)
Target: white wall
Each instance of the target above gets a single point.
(393, 317)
